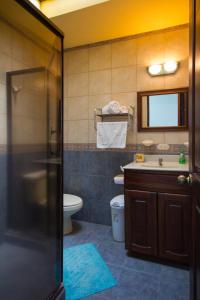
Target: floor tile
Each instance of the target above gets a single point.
(137, 279)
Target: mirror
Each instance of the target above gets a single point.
(165, 110)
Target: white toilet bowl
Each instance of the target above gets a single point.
(71, 205)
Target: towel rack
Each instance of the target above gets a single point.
(110, 117)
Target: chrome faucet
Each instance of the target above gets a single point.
(160, 162)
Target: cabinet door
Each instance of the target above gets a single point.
(174, 215)
(141, 221)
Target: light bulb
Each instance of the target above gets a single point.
(170, 66)
(155, 69)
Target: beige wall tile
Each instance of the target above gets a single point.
(78, 131)
(180, 78)
(5, 66)
(3, 99)
(77, 108)
(66, 109)
(145, 82)
(158, 137)
(128, 60)
(17, 65)
(176, 137)
(17, 45)
(177, 45)
(5, 33)
(77, 61)
(77, 85)
(66, 62)
(150, 49)
(124, 79)
(131, 137)
(92, 132)
(65, 86)
(3, 129)
(124, 53)
(97, 101)
(128, 99)
(65, 133)
(100, 82)
(100, 57)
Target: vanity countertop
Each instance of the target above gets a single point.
(170, 163)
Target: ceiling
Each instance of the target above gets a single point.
(119, 18)
(52, 8)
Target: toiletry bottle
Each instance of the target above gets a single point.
(138, 156)
(182, 159)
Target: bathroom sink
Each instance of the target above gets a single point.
(169, 163)
(164, 165)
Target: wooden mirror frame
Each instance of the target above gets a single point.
(164, 128)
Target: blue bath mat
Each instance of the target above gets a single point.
(85, 272)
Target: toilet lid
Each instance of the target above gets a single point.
(71, 200)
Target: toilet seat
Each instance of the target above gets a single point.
(72, 201)
(71, 205)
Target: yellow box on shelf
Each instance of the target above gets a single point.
(139, 158)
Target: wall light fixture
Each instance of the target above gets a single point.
(169, 67)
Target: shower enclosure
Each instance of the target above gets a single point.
(31, 59)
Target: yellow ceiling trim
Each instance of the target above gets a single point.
(52, 8)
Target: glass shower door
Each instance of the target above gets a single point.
(31, 159)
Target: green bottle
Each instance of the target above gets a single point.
(182, 158)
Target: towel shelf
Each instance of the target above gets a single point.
(114, 117)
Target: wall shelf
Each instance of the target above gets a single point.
(114, 117)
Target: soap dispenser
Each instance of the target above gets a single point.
(182, 158)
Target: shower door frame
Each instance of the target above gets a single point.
(59, 293)
(9, 76)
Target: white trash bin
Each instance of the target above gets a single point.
(117, 213)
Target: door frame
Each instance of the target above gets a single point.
(192, 65)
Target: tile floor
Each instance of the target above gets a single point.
(137, 279)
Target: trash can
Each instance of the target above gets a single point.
(117, 213)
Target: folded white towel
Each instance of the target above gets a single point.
(112, 107)
(124, 109)
(111, 134)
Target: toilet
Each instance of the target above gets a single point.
(71, 205)
(35, 187)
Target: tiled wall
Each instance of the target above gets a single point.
(18, 52)
(89, 174)
(117, 70)
(93, 76)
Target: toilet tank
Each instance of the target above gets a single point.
(35, 187)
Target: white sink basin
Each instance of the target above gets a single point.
(164, 165)
(169, 162)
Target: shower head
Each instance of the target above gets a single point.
(16, 89)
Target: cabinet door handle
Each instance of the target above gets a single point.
(189, 179)
(198, 209)
(182, 179)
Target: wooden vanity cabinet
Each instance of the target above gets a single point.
(157, 215)
(141, 217)
(174, 225)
